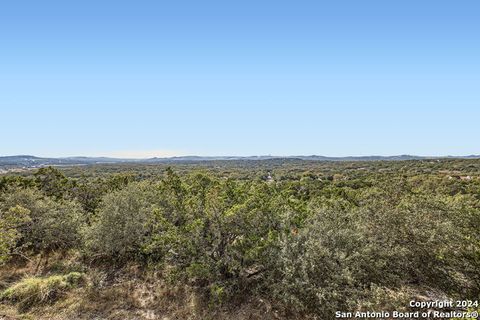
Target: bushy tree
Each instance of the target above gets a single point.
(51, 225)
(118, 230)
(10, 223)
(51, 181)
(380, 240)
(224, 237)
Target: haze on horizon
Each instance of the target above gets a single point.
(137, 80)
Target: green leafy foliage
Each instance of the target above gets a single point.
(314, 237)
(118, 229)
(49, 225)
(10, 222)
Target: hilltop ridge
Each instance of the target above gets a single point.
(30, 161)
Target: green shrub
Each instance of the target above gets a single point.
(391, 242)
(222, 237)
(118, 230)
(9, 233)
(51, 225)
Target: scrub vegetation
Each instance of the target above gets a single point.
(272, 239)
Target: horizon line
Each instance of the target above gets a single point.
(246, 156)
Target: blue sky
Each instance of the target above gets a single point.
(162, 78)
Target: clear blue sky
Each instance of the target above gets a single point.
(141, 78)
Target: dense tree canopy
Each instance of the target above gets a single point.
(315, 237)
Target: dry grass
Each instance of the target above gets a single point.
(127, 293)
(34, 291)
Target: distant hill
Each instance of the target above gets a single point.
(28, 161)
